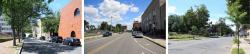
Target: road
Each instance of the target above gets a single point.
(33, 46)
(122, 44)
(220, 45)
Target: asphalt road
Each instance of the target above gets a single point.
(220, 45)
(33, 46)
(122, 44)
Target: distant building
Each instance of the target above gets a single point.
(4, 26)
(136, 26)
(71, 19)
(124, 28)
(154, 18)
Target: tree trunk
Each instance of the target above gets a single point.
(14, 37)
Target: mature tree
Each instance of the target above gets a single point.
(189, 19)
(104, 26)
(118, 28)
(175, 23)
(51, 23)
(18, 13)
(92, 27)
(86, 25)
(202, 16)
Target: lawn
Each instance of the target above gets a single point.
(180, 37)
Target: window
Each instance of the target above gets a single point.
(77, 12)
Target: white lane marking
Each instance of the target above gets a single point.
(142, 52)
(144, 47)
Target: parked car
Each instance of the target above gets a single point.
(138, 35)
(71, 41)
(106, 34)
(134, 33)
(42, 38)
(56, 39)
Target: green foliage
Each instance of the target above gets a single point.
(104, 26)
(235, 51)
(118, 28)
(184, 24)
(172, 33)
(51, 23)
(236, 41)
(194, 30)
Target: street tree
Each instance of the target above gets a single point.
(51, 23)
(18, 13)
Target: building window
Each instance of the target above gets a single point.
(77, 12)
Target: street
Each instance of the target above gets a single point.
(220, 45)
(123, 43)
(34, 46)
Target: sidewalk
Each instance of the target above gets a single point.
(8, 48)
(244, 45)
(159, 41)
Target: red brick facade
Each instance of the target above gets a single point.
(70, 22)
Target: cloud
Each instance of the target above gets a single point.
(171, 10)
(134, 9)
(138, 18)
(109, 9)
(91, 11)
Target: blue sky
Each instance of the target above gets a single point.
(216, 8)
(121, 11)
(57, 5)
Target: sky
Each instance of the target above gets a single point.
(124, 12)
(216, 8)
(57, 5)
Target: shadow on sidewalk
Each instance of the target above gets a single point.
(46, 48)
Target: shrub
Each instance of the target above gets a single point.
(172, 33)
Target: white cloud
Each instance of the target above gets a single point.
(171, 10)
(114, 9)
(134, 9)
(110, 9)
(138, 18)
(90, 10)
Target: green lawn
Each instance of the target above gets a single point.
(235, 51)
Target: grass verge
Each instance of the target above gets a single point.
(235, 51)
(180, 37)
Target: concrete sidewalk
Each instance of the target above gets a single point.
(8, 48)
(244, 45)
(158, 41)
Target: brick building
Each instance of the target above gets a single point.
(71, 19)
(154, 18)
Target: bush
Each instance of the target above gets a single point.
(236, 41)
(172, 33)
(235, 51)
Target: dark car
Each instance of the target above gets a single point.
(138, 35)
(56, 39)
(106, 34)
(71, 41)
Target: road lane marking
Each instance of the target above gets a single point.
(103, 46)
(144, 47)
(142, 52)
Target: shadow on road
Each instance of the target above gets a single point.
(46, 48)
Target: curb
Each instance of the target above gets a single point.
(21, 49)
(154, 42)
(91, 37)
